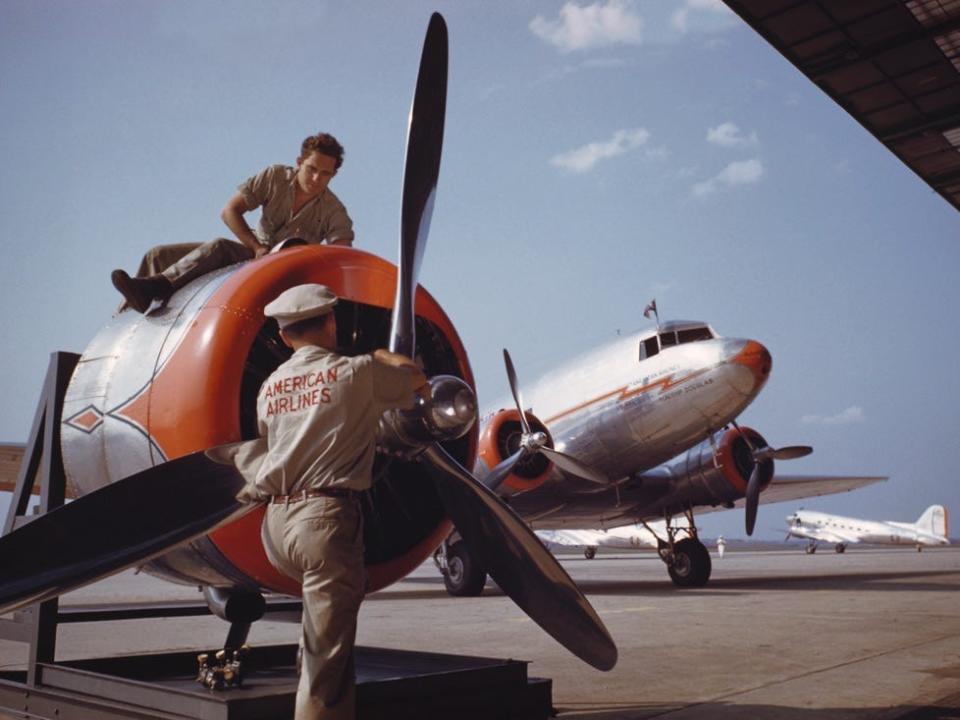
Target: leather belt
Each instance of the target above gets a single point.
(312, 493)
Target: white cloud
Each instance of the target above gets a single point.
(591, 26)
(853, 414)
(698, 9)
(728, 135)
(740, 172)
(584, 158)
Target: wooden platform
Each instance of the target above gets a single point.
(392, 684)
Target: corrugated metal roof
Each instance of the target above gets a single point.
(894, 65)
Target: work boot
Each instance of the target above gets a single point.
(140, 292)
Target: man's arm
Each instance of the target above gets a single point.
(416, 380)
(232, 215)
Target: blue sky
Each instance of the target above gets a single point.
(596, 156)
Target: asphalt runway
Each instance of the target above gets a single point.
(872, 633)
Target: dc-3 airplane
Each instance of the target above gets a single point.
(641, 429)
(160, 404)
(930, 529)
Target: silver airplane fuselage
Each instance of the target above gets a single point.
(625, 414)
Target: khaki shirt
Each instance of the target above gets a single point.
(319, 412)
(323, 218)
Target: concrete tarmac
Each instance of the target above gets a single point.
(872, 633)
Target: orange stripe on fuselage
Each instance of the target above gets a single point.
(665, 383)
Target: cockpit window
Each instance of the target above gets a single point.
(649, 347)
(694, 334)
(668, 338)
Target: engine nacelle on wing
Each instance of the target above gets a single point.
(151, 388)
(499, 439)
(717, 473)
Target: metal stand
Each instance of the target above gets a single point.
(42, 457)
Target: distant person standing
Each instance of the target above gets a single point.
(295, 202)
(319, 412)
(721, 545)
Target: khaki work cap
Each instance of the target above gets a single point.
(301, 302)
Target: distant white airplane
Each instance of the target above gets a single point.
(625, 537)
(929, 529)
(628, 537)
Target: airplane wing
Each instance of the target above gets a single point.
(623, 537)
(795, 487)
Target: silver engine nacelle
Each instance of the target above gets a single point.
(717, 473)
(449, 413)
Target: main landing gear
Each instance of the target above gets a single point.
(687, 559)
(811, 547)
(462, 574)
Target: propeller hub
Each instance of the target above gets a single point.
(452, 408)
(447, 413)
(534, 441)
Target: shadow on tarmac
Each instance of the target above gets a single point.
(883, 582)
(947, 708)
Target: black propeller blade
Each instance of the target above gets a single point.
(752, 495)
(118, 526)
(422, 168)
(514, 558)
(520, 564)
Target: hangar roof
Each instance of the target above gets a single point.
(894, 65)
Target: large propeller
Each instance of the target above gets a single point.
(514, 557)
(761, 455)
(533, 442)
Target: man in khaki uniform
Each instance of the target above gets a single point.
(296, 204)
(319, 412)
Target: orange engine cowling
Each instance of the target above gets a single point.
(185, 378)
(499, 439)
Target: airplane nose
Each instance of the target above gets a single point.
(756, 358)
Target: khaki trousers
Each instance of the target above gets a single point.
(319, 542)
(183, 262)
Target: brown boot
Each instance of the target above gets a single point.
(140, 292)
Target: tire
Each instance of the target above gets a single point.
(810, 549)
(464, 577)
(691, 564)
(589, 553)
(840, 548)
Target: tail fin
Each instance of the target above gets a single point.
(934, 520)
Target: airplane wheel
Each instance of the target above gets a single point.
(590, 553)
(463, 578)
(840, 548)
(691, 564)
(809, 550)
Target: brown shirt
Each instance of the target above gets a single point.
(273, 189)
(319, 412)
